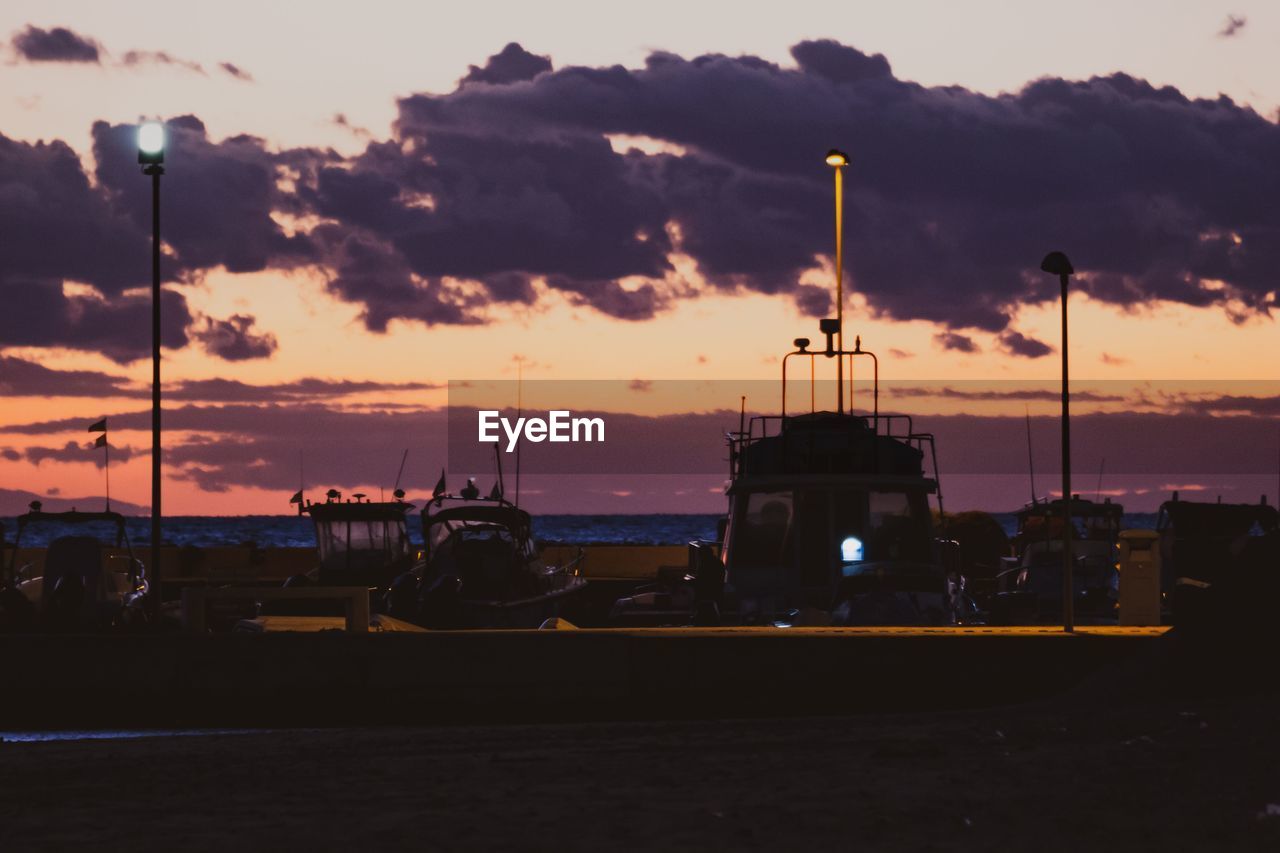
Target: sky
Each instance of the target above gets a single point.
(360, 208)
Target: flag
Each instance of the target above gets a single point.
(100, 426)
(101, 441)
(440, 488)
(297, 497)
(495, 494)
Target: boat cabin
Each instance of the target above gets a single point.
(361, 542)
(828, 507)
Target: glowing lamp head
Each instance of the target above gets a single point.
(837, 158)
(151, 142)
(851, 549)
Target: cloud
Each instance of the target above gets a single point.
(1016, 343)
(230, 188)
(1113, 360)
(10, 454)
(507, 191)
(22, 378)
(57, 44)
(956, 342)
(1233, 25)
(511, 65)
(134, 58)
(40, 313)
(79, 452)
(952, 197)
(233, 339)
(236, 71)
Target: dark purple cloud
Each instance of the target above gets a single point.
(56, 44)
(234, 339)
(510, 65)
(78, 451)
(509, 187)
(1234, 24)
(39, 314)
(956, 342)
(953, 195)
(10, 454)
(22, 378)
(1016, 343)
(217, 197)
(236, 71)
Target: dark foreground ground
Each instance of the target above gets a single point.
(1085, 772)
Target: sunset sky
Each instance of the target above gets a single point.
(365, 201)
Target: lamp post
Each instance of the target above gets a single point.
(151, 157)
(837, 160)
(1057, 264)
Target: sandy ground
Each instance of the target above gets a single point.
(1068, 775)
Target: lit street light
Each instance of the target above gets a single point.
(151, 157)
(837, 160)
(1057, 264)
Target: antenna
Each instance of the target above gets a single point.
(742, 417)
(497, 461)
(400, 473)
(1031, 465)
(519, 410)
(1101, 467)
(106, 465)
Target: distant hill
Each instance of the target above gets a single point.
(15, 502)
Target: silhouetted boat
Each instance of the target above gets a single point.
(482, 569)
(87, 582)
(1029, 590)
(829, 523)
(1219, 560)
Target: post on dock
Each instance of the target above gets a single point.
(151, 143)
(1057, 264)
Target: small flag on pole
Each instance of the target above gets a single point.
(101, 441)
(297, 497)
(495, 494)
(99, 426)
(440, 488)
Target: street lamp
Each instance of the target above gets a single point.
(1057, 264)
(837, 160)
(151, 139)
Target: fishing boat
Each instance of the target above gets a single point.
(89, 580)
(481, 567)
(1029, 589)
(828, 523)
(1220, 562)
(359, 543)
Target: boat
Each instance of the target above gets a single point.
(89, 581)
(1219, 562)
(1029, 589)
(359, 543)
(481, 566)
(829, 523)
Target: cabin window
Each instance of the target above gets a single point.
(764, 538)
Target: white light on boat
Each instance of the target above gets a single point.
(851, 549)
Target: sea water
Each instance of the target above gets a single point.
(292, 531)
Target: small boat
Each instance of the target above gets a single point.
(1220, 562)
(359, 543)
(1029, 589)
(481, 567)
(90, 579)
(829, 524)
